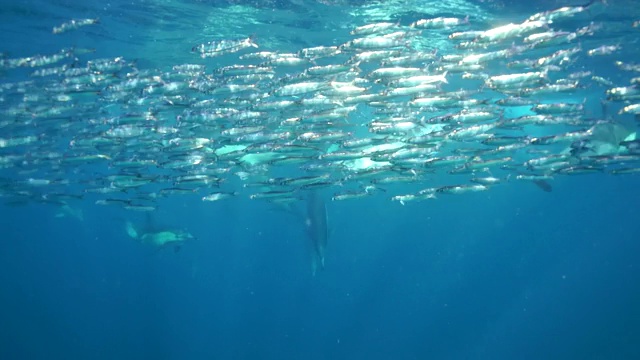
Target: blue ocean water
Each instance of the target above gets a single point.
(510, 273)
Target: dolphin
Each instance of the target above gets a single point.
(316, 221)
(67, 211)
(158, 238)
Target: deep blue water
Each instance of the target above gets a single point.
(511, 273)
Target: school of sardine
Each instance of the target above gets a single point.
(508, 103)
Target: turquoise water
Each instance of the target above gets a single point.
(512, 272)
